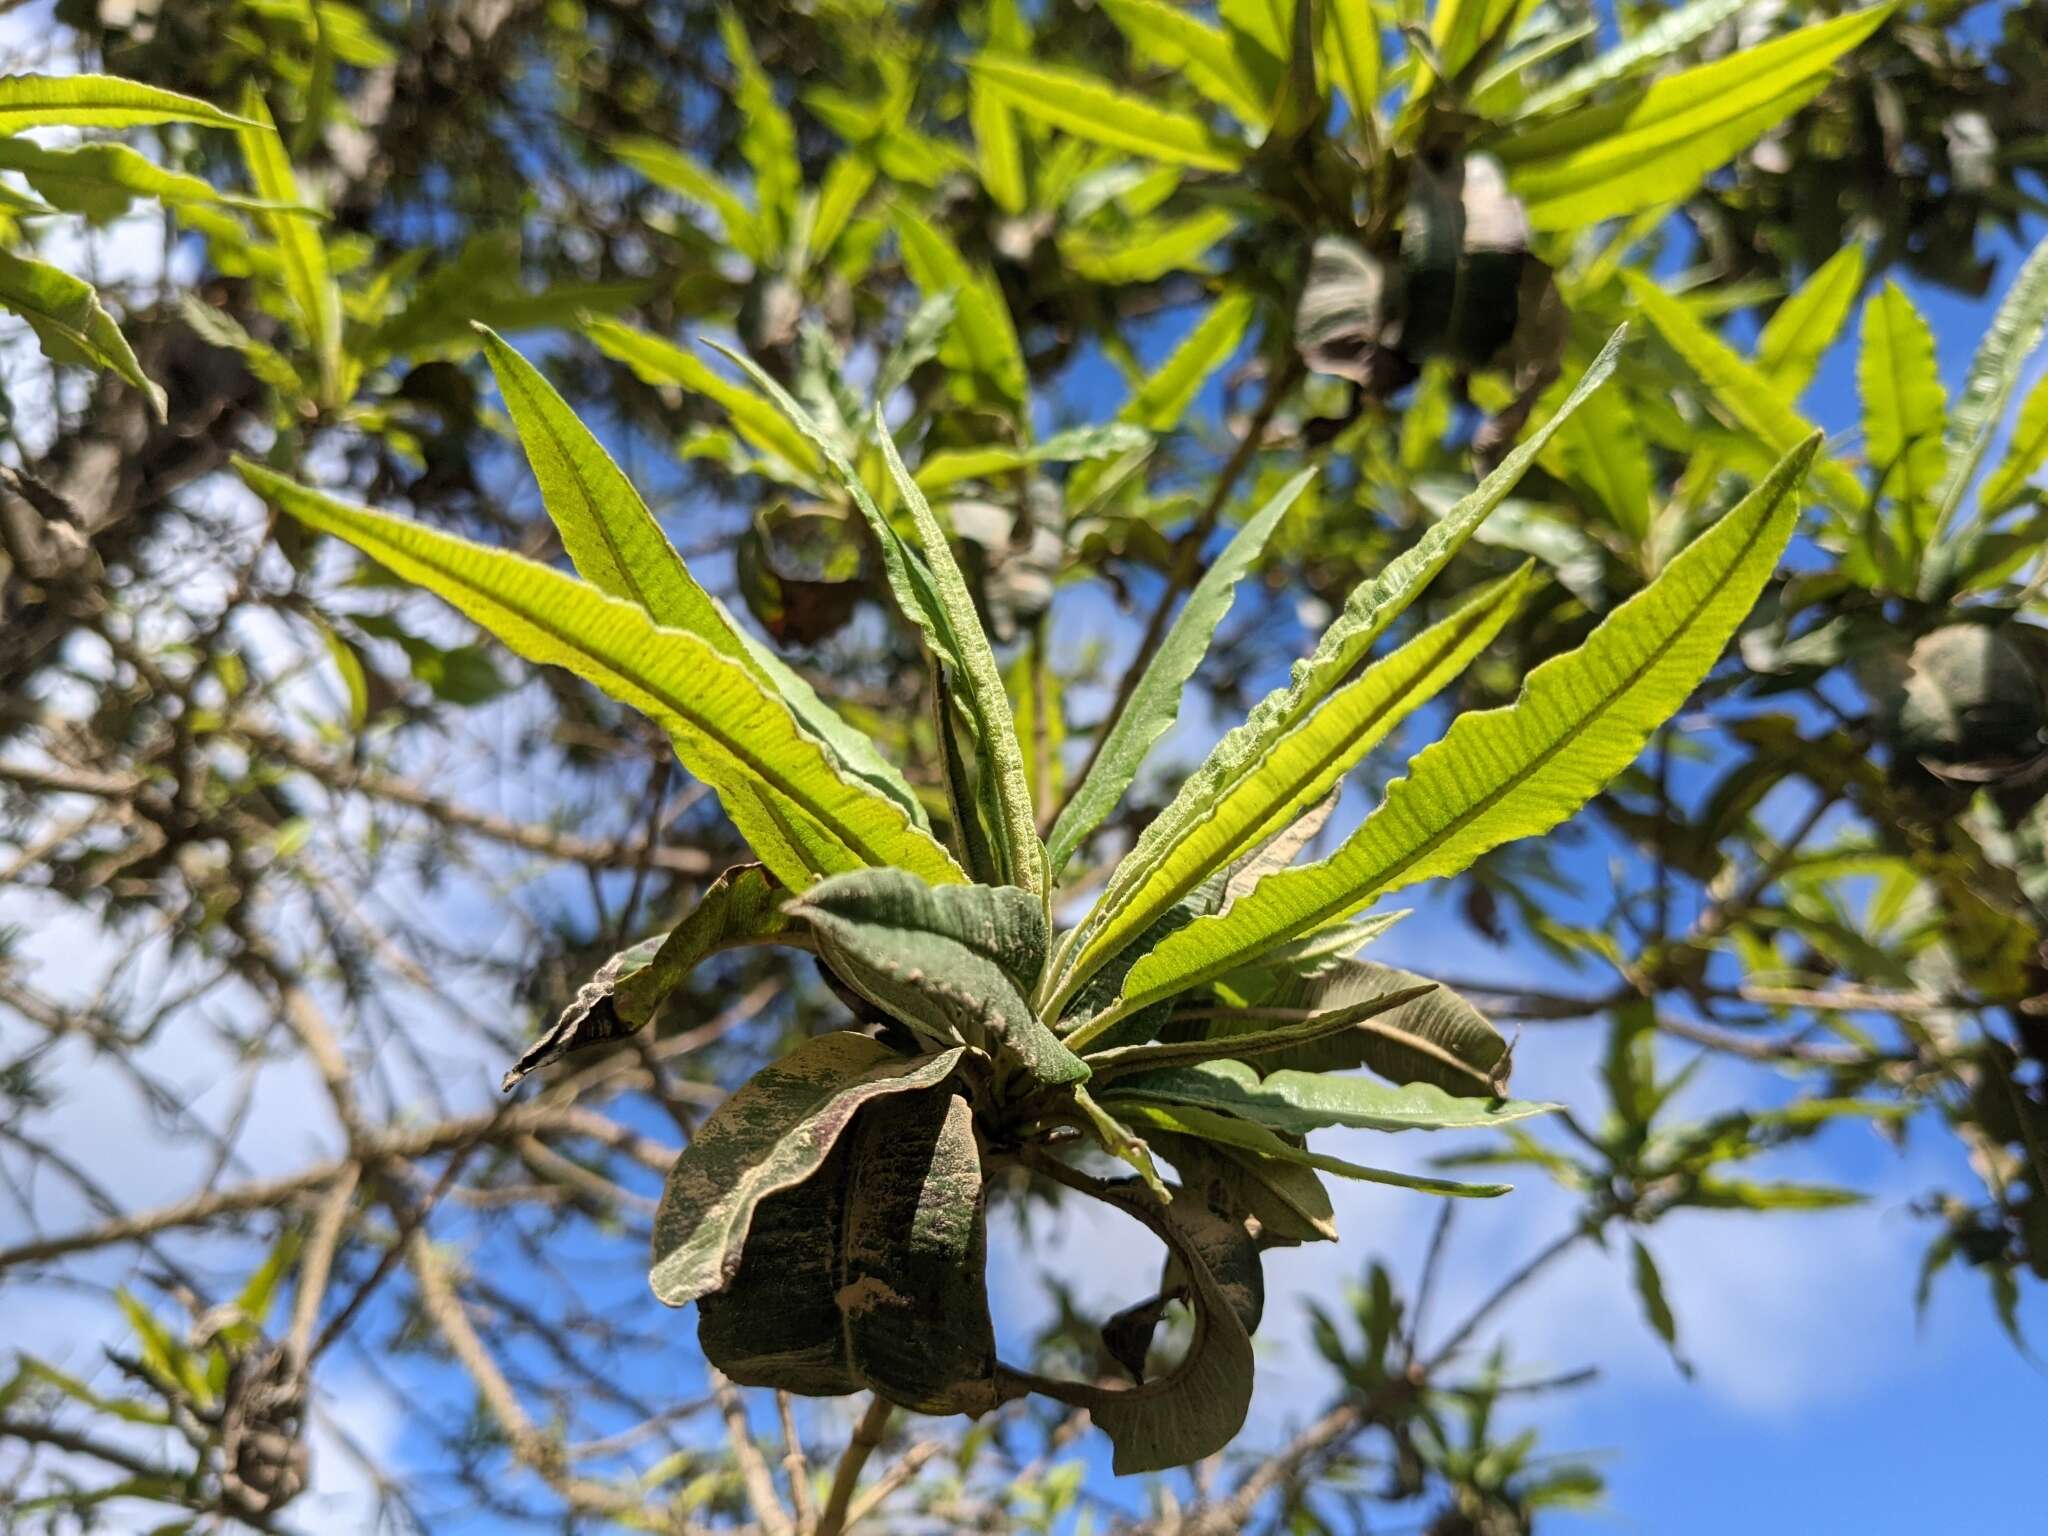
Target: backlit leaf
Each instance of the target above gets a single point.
(1503, 774)
(1092, 109)
(728, 728)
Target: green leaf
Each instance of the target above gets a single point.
(728, 728)
(1647, 47)
(66, 316)
(1801, 329)
(949, 466)
(1171, 38)
(669, 167)
(308, 281)
(1650, 1288)
(1744, 1195)
(1159, 404)
(1656, 144)
(771, 1135)
(871, 1272)
(102, 180)
(1351, 42)
(1509, 773)
(1902, 413)
(657, 361)
(998, 151)
(99, 101)
(169, 1361)
(1299, 1102)
(1370, 608)
(1155, 702)
(847, 180)
(1148, 249)
(1090, 108)
(1748, 398)
(742, 906)
(1296, 772)
(2014, 333)
(1249, 1136)
(1196, 1409)
(1021, 855)
(767, 138)
(1261, 1039)
(1437, 1038)
(1460, 28)
(1288, 1200)
(618, 547)
(955, 963)
(2025, 454)
(983, 340)
(1604, 452)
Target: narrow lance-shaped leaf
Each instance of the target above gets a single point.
(658, 361)
(1800, 330)
(910, 583)
(1748, 398)
(1994, 374)
(1250, 1136)
(728, 728)
(2027, 452)
(1656, 1309)
(986, 336)
(1168, 36)
(1503, 774)
(1370, 608)
(66, 316)
(1091, 109)
(1351, 42)
(618, 547)
(1300, 1102)
(1902, 413)
(1658, 143)
(1261, 1040)
(1302, 767)
(767, 137)
(1438, 1037)
(772, 1134)
(1646, 48)
(307, 278)
(1149, 249)
(669, 167)
(99, 101)
(101, 180)
(981, 680)
(1155, 701)
(1162, 400)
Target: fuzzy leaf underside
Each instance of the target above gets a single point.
(871, 1274)
(771, 1135)
(742, 906)
(953, 962)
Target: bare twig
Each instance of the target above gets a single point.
(867, 1434)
